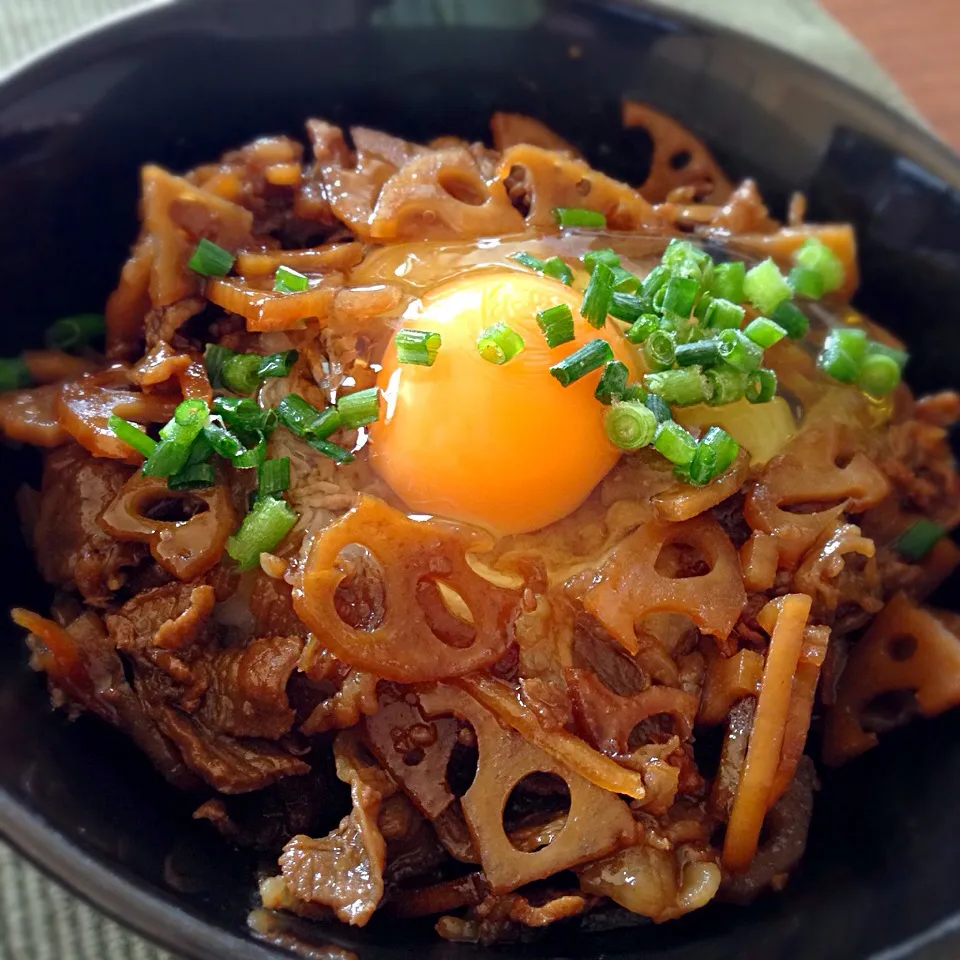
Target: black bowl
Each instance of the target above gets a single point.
(178, 84)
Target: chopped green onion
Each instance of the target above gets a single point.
(417, 346)
(627, 306)
(655, 281)
(680, 254)
(658, 407)
(727, 281)
(331, 450)
(723, 315)
(806, 283)
(214, 357)
(918, 539)
(223, 441)
(499, 343)
(789, 316)
(738, 351)
(194, 476)
(241, 413)
(680, 295)
(200, 450)
(578, 217)
(726, 383)
(817, 256)
(714, 454)
(262, 529)
(273, 477)
(14, 373)
(360, 408)
(635, 392)
(169, 457)
(304, 420)
(765, 287)
(276, 364)
(680, 388)
(624, 281)
(675, 443)
(702, 306)
(613, 382)
(76, 331)
(210, 260)
(288, 280)
(763, 332)
(642, 329)
(659, 350)
(132, 435)
(630, 425)
(598, 296)
(528, 260)
(556, 324)
(761, 386)
(704, 353)
(899, 357)
(842, 354)
(556, 268)
(578, 364)
(879, 375)
(171, 454)
(240, 373)
(703, 466)
(592, 257)
(251, 456)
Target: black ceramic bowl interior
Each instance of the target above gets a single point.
(181, 82)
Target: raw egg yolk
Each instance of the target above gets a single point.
(503, 447)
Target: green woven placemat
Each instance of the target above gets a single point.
(39, 920)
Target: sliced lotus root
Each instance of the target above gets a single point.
(729, 680)
(417, 639)
(186, 547)
(629, 586)
(818, 469)
(679, 158)
(906, 650)
(597, 822)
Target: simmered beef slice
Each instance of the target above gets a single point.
(72, 550)
(170, 617)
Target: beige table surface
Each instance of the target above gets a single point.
(39, 920)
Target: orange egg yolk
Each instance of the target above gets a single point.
(505, 447)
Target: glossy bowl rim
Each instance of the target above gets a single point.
(118, 893)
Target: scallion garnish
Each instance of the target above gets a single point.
(262, 529)
(578, 217)
(288, 280)
(14, 373)
(624, 281)
(527, 260)
(806, 283)
(879, 375)
(660, 350)
(417, 346)
(276, 364)
(499, 343)
(789, 316)
(761, 386)
(336, 453)
(817, 256)
(635, 392)
(654, 281)
(723, 315)
(304, 420)
(658, 407)
(223, 441)
(556, 268)
(360, 408)
(726, 282)
(251, 456)
(556, 324)
(273, 477)
(899, 357)
(194, 476)
(241, 413)
(738, 351)
(76, 331)
(704, 353)
(132, 435)
(177, 435)
(592, 257)
(842, 354)
(628, 306)
(214, 357)
(679, 388)
(679, 296)
(630, 425)
(714, 454)
(210, 260)
(675, 443)
(240, 373)
(763, 332)
(613, 382)
(642, 329)
(726, 383)
(598, 296)
(918, 539)
(765, 287)
(578, 364)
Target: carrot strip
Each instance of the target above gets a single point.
(787, 617)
